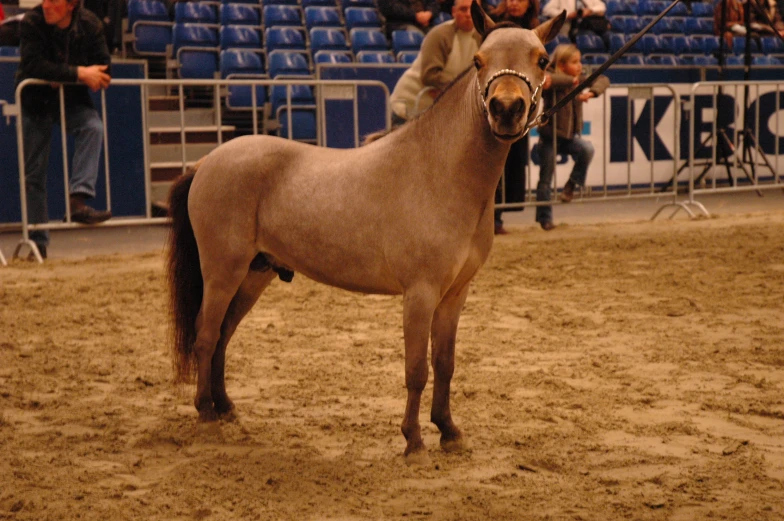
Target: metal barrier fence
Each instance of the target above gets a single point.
(325, 90)
(740, 138)
(629, 119)
(620, 179)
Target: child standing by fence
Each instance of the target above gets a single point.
(568, 122)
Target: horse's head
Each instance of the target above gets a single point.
(510, 68)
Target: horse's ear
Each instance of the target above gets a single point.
(482, 23)
(550, 29)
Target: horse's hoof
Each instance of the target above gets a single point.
(457, 444)
(228, 416)
(418, 458)
(224, 407)
(208, 415)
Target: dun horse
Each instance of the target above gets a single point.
(410, 213)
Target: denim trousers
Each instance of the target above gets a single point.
(86, 126)
(580, 150)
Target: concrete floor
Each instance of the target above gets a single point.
(107, 240)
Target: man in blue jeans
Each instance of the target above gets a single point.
(62, 43)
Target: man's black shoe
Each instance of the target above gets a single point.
(87, 215)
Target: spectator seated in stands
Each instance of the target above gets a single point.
(446, 51)
(733, 20)
(585, 15)
(766, 17)
(61, 42)
(414, 15)
(524, 13)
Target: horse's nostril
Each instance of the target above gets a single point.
(496, 107)
(517, 106)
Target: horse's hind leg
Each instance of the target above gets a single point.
(247, 295)
(220, 286)
(444, 332)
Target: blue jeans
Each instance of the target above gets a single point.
(581, 152)
(87, 129)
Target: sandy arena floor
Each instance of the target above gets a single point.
(615, 371)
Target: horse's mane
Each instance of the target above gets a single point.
(375, 136)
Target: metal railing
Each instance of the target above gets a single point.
(325, 90)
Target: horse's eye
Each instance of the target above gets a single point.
(477, 63)
(543, 61)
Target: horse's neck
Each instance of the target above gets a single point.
(462, 147)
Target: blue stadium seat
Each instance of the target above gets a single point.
(406, 41)
(150, 25)
(702, 9)
(240, 14)
(620, 7)
(772, 45)
(345, 4)
(321, 16)
(368, 40)
(284, 38)
(375, 57)
(196, 63)
(655, 44)
(315, 3)
(734, 59)
(650, 7)
(630, 59)
(148, 11)
(595, 59)
(765, 60)
(332, 57)
(694, 26)
(706, 60)
(281, 15)
(442, 17)
(240, 36)
(195, 12)
(151, 38)
(194, 35)
(277, 2)
(327, 39)
(662, 59)
(361, 17)
(590, 43)
(243, 64)
(288, 63)
(669, 26)
(616, 42)
(739, 45)
(686, 45)
(679, 9)
(709, 44)
(241, 61)
(407, 56)
(251, 2)
(8, 50)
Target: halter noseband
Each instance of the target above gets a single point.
(530, 123)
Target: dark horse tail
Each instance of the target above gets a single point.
(185, 280)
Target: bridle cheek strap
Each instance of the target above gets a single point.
(531, 121)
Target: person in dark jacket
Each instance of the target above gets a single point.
(61, 43)
(413, 15)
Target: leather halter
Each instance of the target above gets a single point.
(530, 122)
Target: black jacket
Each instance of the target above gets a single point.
(52, 54)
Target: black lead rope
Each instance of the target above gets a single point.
(544, 117)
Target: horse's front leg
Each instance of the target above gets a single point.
(418, 307)
(444, 332)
